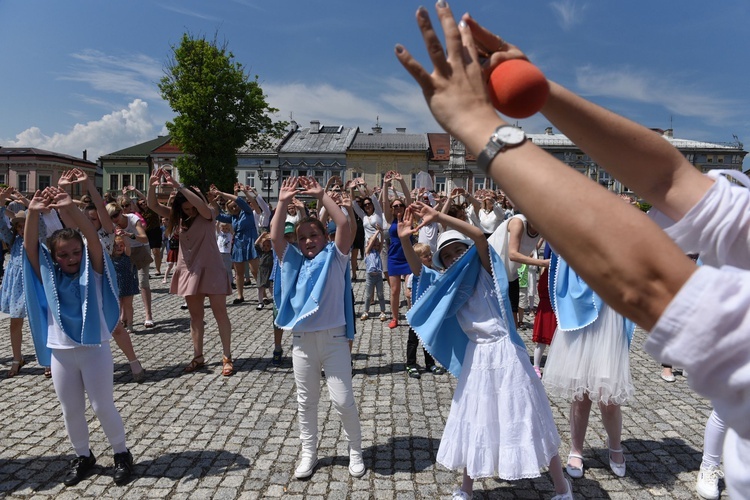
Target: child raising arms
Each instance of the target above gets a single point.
(72, 299)
(500, 423)
(312, 301)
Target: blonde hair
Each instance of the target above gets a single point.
(422, 249)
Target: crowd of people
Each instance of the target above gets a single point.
(466, 264)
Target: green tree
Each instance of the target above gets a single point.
(218, 110)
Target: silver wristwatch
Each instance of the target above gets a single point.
(504, 137)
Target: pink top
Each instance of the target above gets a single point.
(200, 269)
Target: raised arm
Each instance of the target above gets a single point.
(152, 202)
(199, 203)
(343, 239)
(62, 201)
(287, 192)
(405, 232)
(637, 284)
(430, 215)
(37, 204)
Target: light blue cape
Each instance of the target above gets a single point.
(72, 301)
(302, 282)
(574, 302)
(438, 297)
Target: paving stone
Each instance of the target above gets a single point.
(202, 435)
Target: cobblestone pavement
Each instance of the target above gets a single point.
(202, 435)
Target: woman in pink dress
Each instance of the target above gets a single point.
(199, 272)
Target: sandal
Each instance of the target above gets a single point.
(228, 366)
(15, 368)
(196, 364)
(47, 372)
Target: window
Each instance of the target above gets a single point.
(114, 182)
(439, 184)
(709, 159)
(3, 180)
(319, 176)
(126, 180)
(23, 185)
(250, 178)
(44, 181)
(479, 183)
(285, 174)
(139, 182)
(720, 159)
(441, 151)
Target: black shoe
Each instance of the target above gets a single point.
(123, 467)
(437, 370)
(79, 469)
(234, 287)
(276, 360)
(259, 306)
(413, 372)
(238, 301)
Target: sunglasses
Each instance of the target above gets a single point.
(364, 204)
(115, 215)
(397, 206)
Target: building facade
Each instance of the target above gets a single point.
(29, 169)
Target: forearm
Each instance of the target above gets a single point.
(638, 157)
(278, 221)
(637, 284)
(415, 263)
(154, 204)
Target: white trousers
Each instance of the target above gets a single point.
(87, 370)
(329, 350)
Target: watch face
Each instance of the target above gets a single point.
(511, 135)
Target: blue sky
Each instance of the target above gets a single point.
(82, 74)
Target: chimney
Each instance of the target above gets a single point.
(85, 154)
(401, 130)
(548, 131)
(314, 126)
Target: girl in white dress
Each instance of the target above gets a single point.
(500, 422)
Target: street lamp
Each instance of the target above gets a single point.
(267, 180)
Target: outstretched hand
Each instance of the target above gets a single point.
(456, 89)
(405, 225)
(311, 187)
(288, 189)
(424, 212)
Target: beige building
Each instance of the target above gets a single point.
(373, 154)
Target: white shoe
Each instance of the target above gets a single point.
(568, 495)
(461, 495)
(356, 464)
(618, 469)
(574, 472)
(364, 316)
(383, 317)
(707, 485)
(306, 466)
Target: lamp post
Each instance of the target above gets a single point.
(267, 180)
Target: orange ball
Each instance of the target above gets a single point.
(518, 89)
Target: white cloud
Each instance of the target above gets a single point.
(190, 13)
(134, 75)
(395, 103)
(114, 131)
(569, 12)
(678, 98)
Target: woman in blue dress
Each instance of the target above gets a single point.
(241, 216)
(398, 267)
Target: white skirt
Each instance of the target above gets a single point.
(591, 361)
(500, 423)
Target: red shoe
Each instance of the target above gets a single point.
(393, 323)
